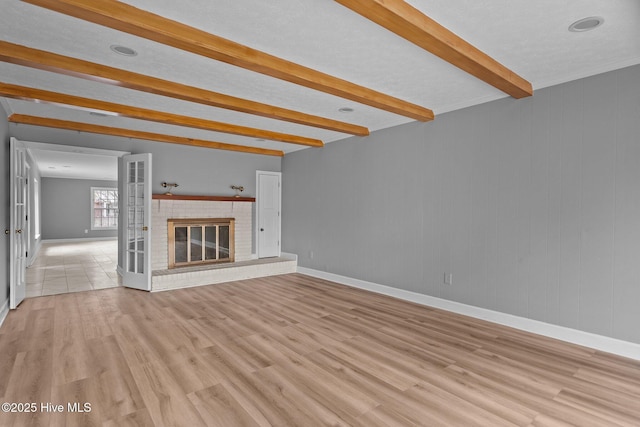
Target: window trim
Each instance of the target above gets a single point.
(92, 212)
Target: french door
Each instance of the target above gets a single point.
(136, 227)
(17, 223)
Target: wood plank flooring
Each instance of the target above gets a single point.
(295, 351)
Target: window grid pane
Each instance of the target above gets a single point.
(105, 208)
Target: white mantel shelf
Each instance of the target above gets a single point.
(202, 198)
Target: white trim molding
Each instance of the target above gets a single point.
(78, 239)
(34, 252)
(4, 311)
(587, 339)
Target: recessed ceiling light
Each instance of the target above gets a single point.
(95, 113)
(66, 166)
(259, 139)
(346, 110)
(586, 24)
(123, 50)
(52, 167)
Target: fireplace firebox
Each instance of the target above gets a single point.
(196, 241)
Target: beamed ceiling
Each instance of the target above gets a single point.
(273, 77)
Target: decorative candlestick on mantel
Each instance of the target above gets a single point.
(170, 186)
(239, 189)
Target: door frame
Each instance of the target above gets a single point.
(258, 209)
(32, 145)
(27, 210)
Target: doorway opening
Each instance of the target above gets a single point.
(65, 253)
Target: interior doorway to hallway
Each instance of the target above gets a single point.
(71, 260)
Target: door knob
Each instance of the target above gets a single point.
(145, 228)
(19, 231)
(7, 231)
(262, 229)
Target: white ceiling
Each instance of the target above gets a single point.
(55, 164)
(529, 37)
(62, 161)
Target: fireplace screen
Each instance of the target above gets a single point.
(194, 241)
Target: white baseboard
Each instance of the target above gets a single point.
(4, 311)
(587, 339)
(79, 239)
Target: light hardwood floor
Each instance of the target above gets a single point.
(296, 351)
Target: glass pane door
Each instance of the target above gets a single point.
(224, 242)
(211, 242)
(17, 220)
(194, 241)
(135, 231)
(137, 205)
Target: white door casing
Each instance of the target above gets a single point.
(136, 224)
(268, 222)
(17, 222)
(26, 231)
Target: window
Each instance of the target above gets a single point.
(104, 208)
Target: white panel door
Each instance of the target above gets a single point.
(268, 213)
(136, 227)
(17, 223)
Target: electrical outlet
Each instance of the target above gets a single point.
(448, 278)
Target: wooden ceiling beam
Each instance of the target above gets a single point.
(129, 19)
(127, 133)
(45, 96)
(408, 22)
(47, 61)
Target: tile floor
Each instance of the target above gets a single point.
(72, 267)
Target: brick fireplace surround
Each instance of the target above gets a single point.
(244, 266)
(162, 210)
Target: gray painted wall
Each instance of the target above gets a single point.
(533, 205)
(4, 208)
(66, 209)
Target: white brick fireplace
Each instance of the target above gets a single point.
(244, 267)
(163, 210)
